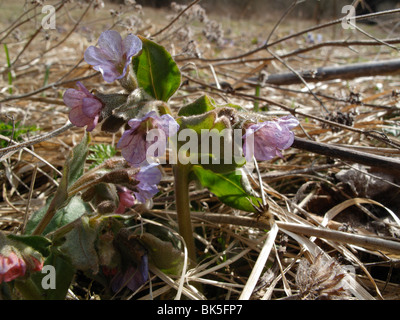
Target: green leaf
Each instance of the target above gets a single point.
(79, 246)
(214, 136)
(38, 243)
(156, 71)
(72, 211)
(76, 160)
(64, 273)
(231, 188)
(73, 169)
(163, 254)
(199, 106)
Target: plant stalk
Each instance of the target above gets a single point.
(181, 173)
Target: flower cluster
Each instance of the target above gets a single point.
(112, 58)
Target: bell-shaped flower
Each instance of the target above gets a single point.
(135, 141)
(113, 55)
(267, 139)
(149, 177)
(85, 107)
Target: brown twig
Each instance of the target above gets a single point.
(41, 138)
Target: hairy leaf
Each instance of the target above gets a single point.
(79, 246)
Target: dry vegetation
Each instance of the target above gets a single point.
(221, 57)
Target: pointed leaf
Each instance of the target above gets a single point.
(230, 188)
(39, 243)
(156, 71)
(199, 106)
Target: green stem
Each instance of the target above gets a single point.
(256, 102)
(181, 173)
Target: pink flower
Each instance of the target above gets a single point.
(265, 140)
(85, 107)
(17, 259)
(113, 55)
(11, 267)
(133, 142)
(126, 199)
(36, 264)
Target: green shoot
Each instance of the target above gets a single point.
(99, 153)
(14, 131)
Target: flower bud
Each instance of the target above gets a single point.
(17, 259)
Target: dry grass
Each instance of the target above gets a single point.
(237, 257)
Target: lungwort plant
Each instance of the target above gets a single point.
(82, 227)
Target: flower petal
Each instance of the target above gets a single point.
(168, 124)
(78, 118)
(73, 98)
(149, 174)
(131, 45)
(91, 107)
(135, 151)
(100, 62)
(110, 43)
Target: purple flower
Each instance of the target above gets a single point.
(85, 107)
(132, 277)
(113, 55)
(134, 142)
(265, 140)
(149, 177)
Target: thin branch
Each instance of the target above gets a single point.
(175, 19)
(41, 138)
